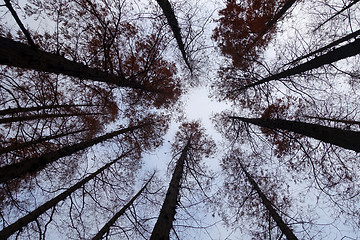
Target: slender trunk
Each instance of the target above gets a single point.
(172, 21)
(327, 47)
(339, 137)
(276, 18)
(334, 120)
(18, 21)
(33, 165)
(23, 145)
(38, 108)
(349, 50)
(280, 13)
(166, 217)
(337, 13)
(20, 55)
(273, 213)
(107, 226)
(32, 216)
(44, 116)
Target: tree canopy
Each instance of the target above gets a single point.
(97, 140)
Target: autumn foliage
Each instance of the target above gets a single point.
(243, 31)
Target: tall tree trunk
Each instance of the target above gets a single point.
(268, 205)
(17, 54)
(107, 226)
(18, 21)
(276, 18)
(38, 108)
(32, 165)
(337, 13)
(172, 21)
(327, 47)
(334, 120)
(166, 217)
(342, 138)
(349, 50)
(44, 116)
(23, 145)
(32, 216)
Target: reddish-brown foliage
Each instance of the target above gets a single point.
(243, 30)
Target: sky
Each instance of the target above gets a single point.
(199, 106)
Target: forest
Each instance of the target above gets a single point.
(174, 119)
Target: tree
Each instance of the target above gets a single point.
(35, 164)
(107, 226)
(32, 216)
(173, 23)
(166, 217)
(342, 138)
(192, 142)
(18, 21)
(269, 206)
(246, 28)
(19, 55)
(349, 50)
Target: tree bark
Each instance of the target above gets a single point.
(18, 146)
(20, 55)
(33, 165)
(32, 216)
(166, 217)
(349, 50)
(172, 21)
(268, 205)
(107, 226)
(339, 137)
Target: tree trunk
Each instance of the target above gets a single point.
(18, 21)
(17, 146)
(32, 216)
(327, 47)
(172, 21)
(32, 165)
(339, 137)
(337, 13)
(349, 50)
(38, 108)
(268, 205)
(107, 226)
(17, 54)
(276, 18)
(166, 217)
(334, 120)
(44, 116)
